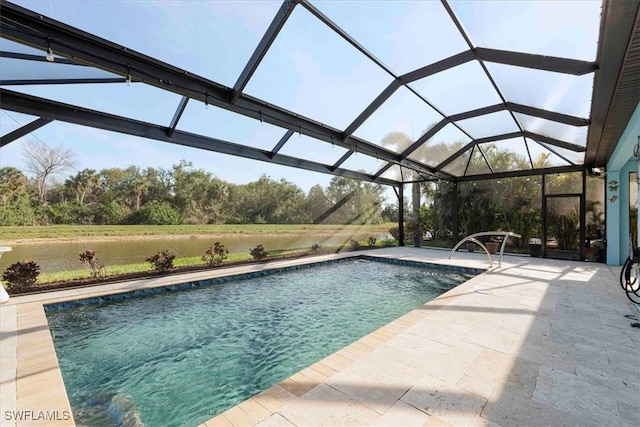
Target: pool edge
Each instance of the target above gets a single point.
(42, 343)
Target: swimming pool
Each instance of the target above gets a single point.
(179, 358)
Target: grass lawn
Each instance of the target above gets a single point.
(97, 231)
(437, 244)
(113, 270)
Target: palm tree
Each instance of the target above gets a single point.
(12, 183)
(82, 183)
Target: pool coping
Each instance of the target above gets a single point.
(534, 342)
(32, 382)
(264, 405)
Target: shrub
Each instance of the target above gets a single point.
(372, 241)
(21, 275)
(90, 259)
(18, 212)
(354, 243)
(155, 213)
(162, 261)
(599, 251)
(67, 213)
(110, 213)
(395, 232)
(215, 255)
(258, 253)
(388, 240)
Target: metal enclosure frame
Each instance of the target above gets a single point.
(619, 27)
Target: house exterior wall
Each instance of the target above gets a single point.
(621, 163)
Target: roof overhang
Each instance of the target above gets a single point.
(616, 90)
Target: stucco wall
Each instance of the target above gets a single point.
(618, 168)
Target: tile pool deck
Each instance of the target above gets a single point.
(534, 342)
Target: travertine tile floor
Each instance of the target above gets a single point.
(535, 342)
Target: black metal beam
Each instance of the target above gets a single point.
(424, 169)
(477, 112)
(466, 37)
(261, 50)
(27, 104)
(371, 108)
(401, 215)
(417, 166)
(424, 138)
(558, 143)
(514, 58)
(177, 115)
(484, 157)
(537, 112)
(524, 109)
(382, 170)
(526, 146)
(532, 135)
(456, 154)
(548, 115)
(342, 33)
(38, 58)
(494, 138)
(555, 152)
(39, 31)
(524, 172)
(24, 130)
(543, 192)
(538, 62)
(288, 134)
(436, 67)
(397, 79)
(454, 212)
(439, 66)
(342, 159)
(13, 82)
(468, 162)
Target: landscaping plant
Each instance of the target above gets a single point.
(162, 261)
(258, 253)
(90, 259)
(21, 275)
(215, 255)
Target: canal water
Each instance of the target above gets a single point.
(60, 256)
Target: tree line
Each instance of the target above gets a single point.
(179, 195)
(185, 195)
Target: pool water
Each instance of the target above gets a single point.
(180, 358)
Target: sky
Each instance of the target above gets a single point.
(312, 71)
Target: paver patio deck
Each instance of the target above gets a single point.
(535, 342)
